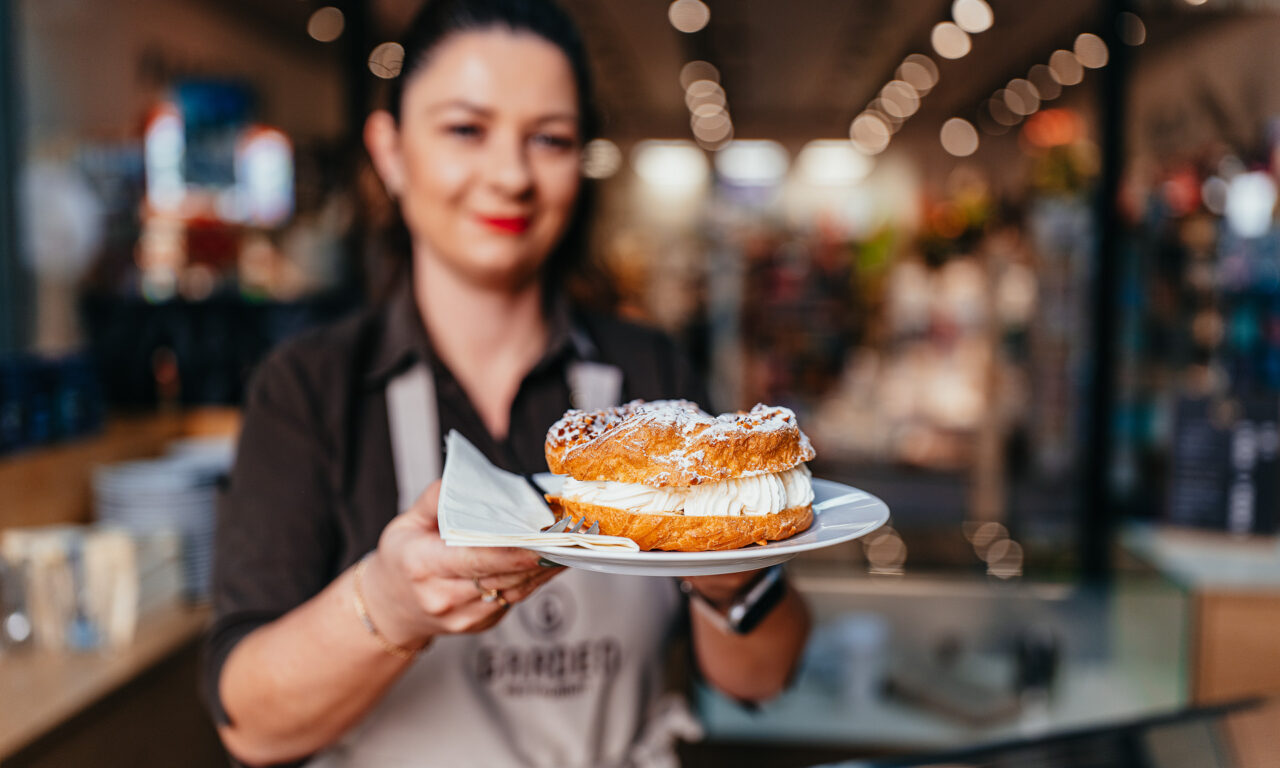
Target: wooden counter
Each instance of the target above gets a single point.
(41, 691)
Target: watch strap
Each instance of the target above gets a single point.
(750, 605)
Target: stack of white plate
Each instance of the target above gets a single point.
(174, 493)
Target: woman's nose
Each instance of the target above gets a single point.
(508, 166)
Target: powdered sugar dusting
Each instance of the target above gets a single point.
(579, 429)
(577, 426)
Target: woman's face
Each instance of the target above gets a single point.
(487, 156)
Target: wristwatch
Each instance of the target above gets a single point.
(750, 605)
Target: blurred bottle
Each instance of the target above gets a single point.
(15, 624)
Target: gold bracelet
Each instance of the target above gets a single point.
(362, 611)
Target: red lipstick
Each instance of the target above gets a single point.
(512, 225)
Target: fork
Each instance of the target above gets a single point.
(567, 524)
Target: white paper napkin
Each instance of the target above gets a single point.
(483, 506)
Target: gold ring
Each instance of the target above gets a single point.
(490, 595)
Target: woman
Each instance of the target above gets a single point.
(349, 633)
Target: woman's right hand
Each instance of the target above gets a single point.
(417, 587)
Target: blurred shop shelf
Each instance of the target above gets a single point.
(51, 485)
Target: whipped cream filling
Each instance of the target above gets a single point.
(754, 495)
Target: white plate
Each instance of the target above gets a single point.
(840, 513)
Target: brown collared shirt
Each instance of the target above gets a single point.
(314, 481)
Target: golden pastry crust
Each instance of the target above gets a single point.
(687, 533)
(674, 442)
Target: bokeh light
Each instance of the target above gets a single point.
(1047, 86)
(1090, 50)
(1251, 203)
(1132, 30)
(959, 137)
(870, 133)
(886, 552)
(1026, 96)
(1053, 128)
(1000, 111)
(1214, 194)
(326, 24)
(1004, 559)
(919, 72)
(709, 114)
(973, 16)
(698, 70)
(712, 134)
(878, 109)
(950, 41)
(711, 127)
(386, 60)
(899, 99)
(984, 535)
(688, 16)
(703, 92)
(601, 159)
(1066, 67)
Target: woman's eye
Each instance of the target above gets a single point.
(465, 130)
(555, 141)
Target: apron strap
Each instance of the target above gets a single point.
(593, 386)
(415, 432)
(416, 447)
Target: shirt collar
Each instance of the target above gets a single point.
(404, 339)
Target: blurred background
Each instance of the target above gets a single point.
(1015, 265)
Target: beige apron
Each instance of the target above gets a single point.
(571, 677)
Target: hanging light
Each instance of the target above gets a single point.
(678, 164)
(832, 162)
(755, 162)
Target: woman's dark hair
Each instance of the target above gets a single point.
(436, 22)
